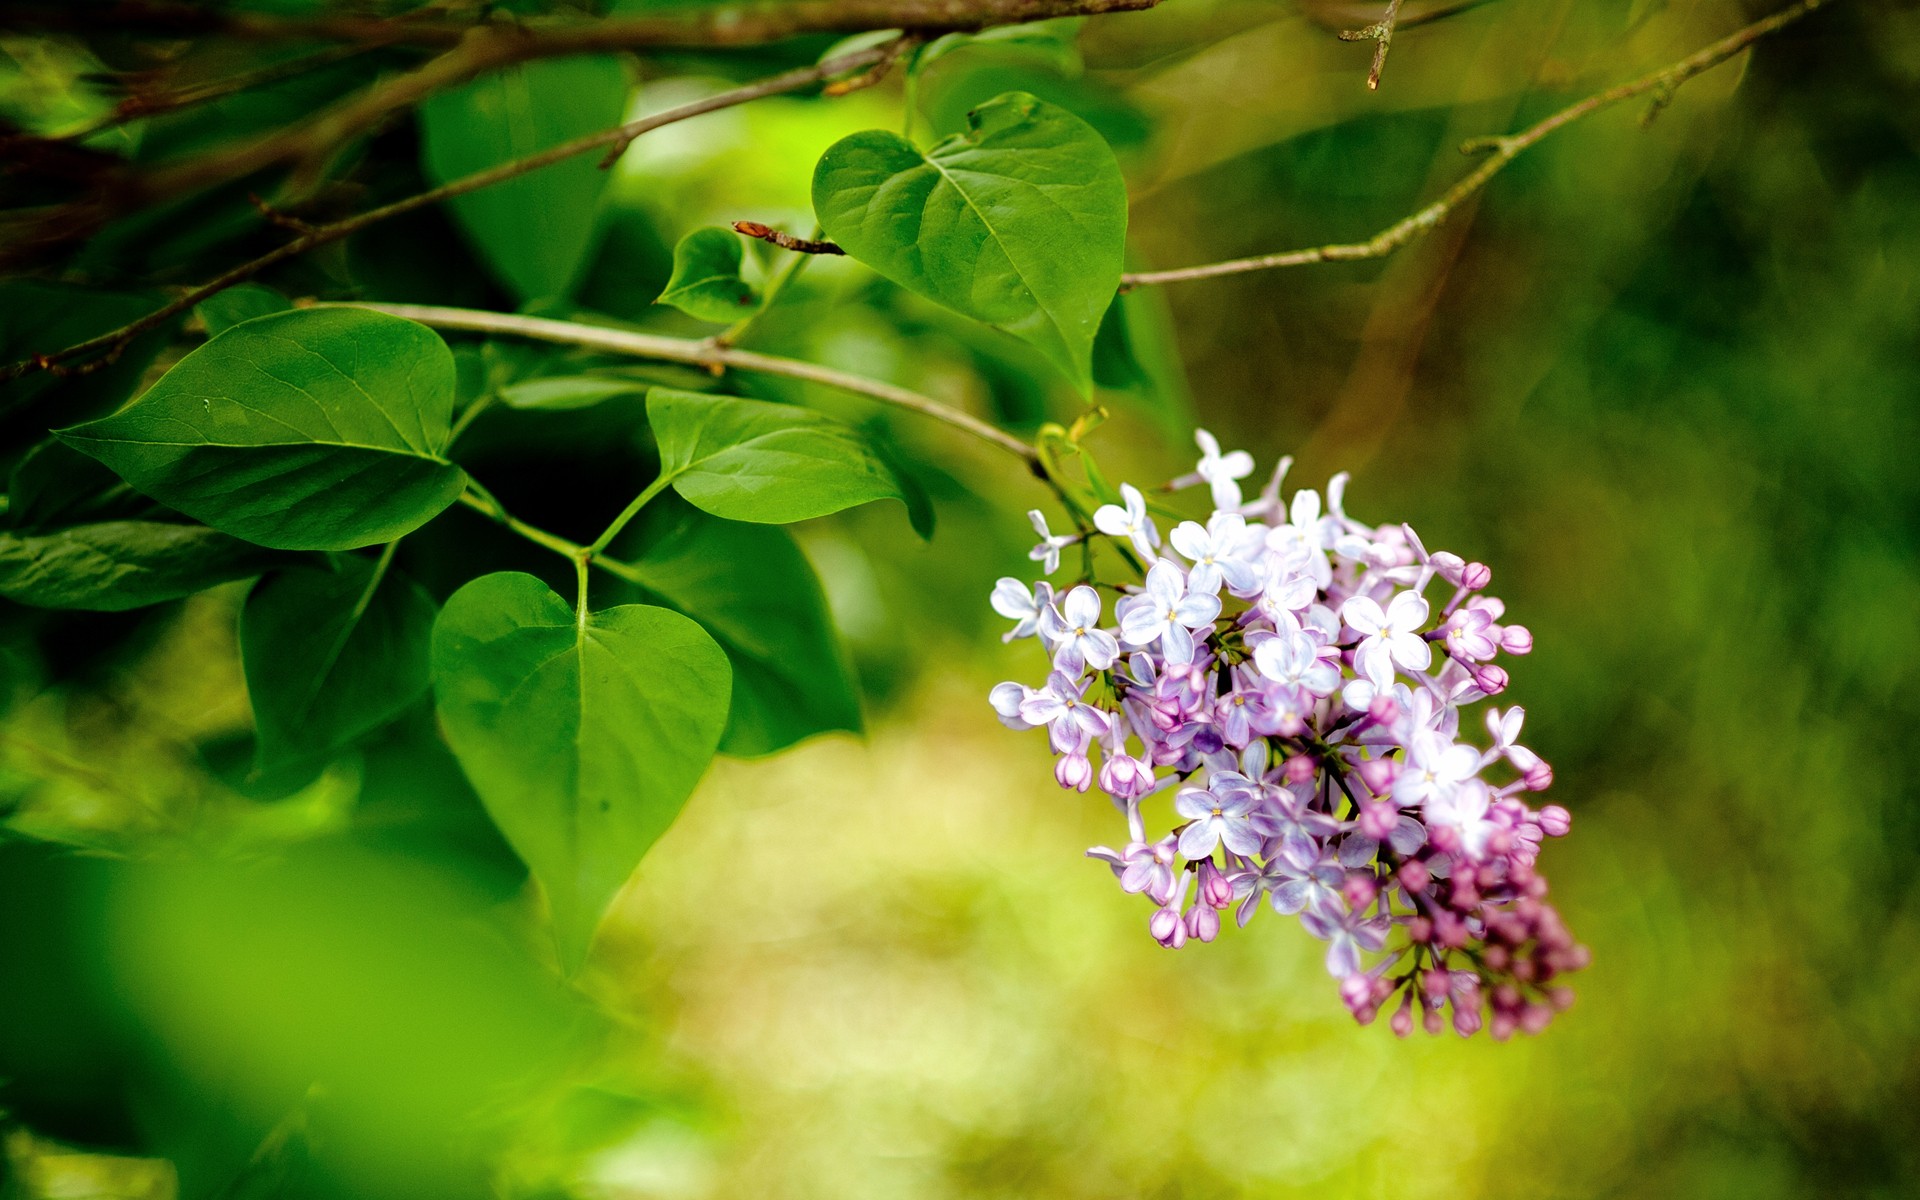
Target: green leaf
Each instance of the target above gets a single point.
(563, 392)
(223, 310)
(42, 317)
(1021, 222)
(749, 460)
(706, 279)
(1055, 42)
(534, 230)
(583, 738)
(757, 594)
(116, 565)
(54, 486)
(318, 429)
(331, 652)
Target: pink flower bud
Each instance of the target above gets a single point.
(1516, 639)
(1384, 710)
(1359, 890)
(1073, 771)
(1301, 768)
(1165, 926)
(1414, 876)
(1402, 1021)
(1447, 565)
(1488, 678)
(1203, 922)
(1214, 888)
(1379, 773)
(1466, 1019)
(1378, 819)
(1476, 575)
(1420, 930)
(1554, 820)
(1534, 1018)
(1538, 776)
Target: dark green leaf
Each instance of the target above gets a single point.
(117, 565)
(318, 429)
(223, 310)
(748, 460)
(567, 392)
(1021, 222)
(583, 738)
(331, 652)
(1056, 43)
(55, 486)
(757, 594)
(534, 230)
(706, 279)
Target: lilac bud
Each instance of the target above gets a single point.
(1538, 776)
(1214, 888)
(1073, 771)
(1554, 820)
(1419, 930)
(1301, 768)
(1415, 877)
(1515, 639)
(1378, 819)
(1166, 927)
(1203, 922)
(1379, 773)
(1488, 678)
(1476, 575)
(1359, 890)
(1431, 1020)
(1447, 565)
(1402, 1022)
(1534, 1018)
(1466, 1019)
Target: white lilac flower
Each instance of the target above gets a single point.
(1285, 689)
(1215, 820)
(1219, 553)
(1129, 520)
(1166, 613)
(1047, 553)
(1392, 631)
(1222, 472)
(1073, 630)
(1012, 600)
(1294, 659)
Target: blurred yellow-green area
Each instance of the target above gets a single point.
(1665, 380)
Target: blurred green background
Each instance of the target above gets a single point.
(1664, 380)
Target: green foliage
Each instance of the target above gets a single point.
(563, 392)
(331, 652)
(534, 231)
(582, 731)
(706, 279)
(109, 566)
(1020, 222)
(757, 594)
(1054, 43)
(748, 460)
(310, 430)
(243, 302)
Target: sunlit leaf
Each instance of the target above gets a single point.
(1056, 43)
(1020, 222)
(706, 279)
(331, 651)
(749, 460)
(583, 736)
(319, 429)
(534, 230)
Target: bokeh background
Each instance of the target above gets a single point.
(1664, 380)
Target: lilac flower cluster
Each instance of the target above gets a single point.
(1282, 671)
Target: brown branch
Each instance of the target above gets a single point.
(321, 235)
(705, 353)
(785, 241)
(1501, 150)
(1381, 33)
(753, 23)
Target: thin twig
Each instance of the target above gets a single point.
(1381, 33)
(786, 241)
(320, 235)
(1501, 150)
(704, 354)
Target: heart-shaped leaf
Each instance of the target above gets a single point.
(318, 429)
(749, 460)
(756, 593)
(1020, 222)
(534, 230)
(706, 279)
(583, 735)
(331, 652)
(111, 566)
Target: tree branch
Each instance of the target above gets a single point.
(1381, 33)
(111, 342)
(1501, 150)
(706, 354)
